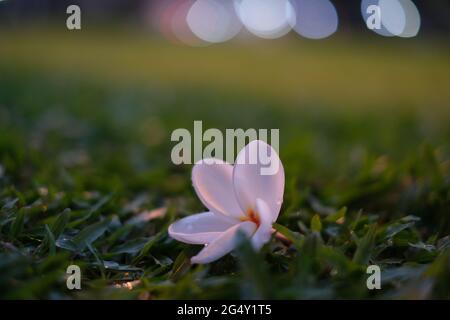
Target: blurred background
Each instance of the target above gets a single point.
(261, 49)
(364, 115)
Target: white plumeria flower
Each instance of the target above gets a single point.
(239, 199)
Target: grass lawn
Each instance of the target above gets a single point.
(86, 176)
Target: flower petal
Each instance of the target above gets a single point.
(259, 173)
(213, 185)
(264, 231)
(225, 243)
(200, 228)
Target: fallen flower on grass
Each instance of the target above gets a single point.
(240, 199)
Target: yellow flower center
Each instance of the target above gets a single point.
(252, 216)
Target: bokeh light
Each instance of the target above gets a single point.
(398, 17)
(213, 21)
(365, 4)
(268, 19)
(171, 22)
(392, 16)
(179, 24)
(203, 22)
(316, 19)
(413, 20)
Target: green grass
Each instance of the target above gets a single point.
(357, 71)
(85, 151)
